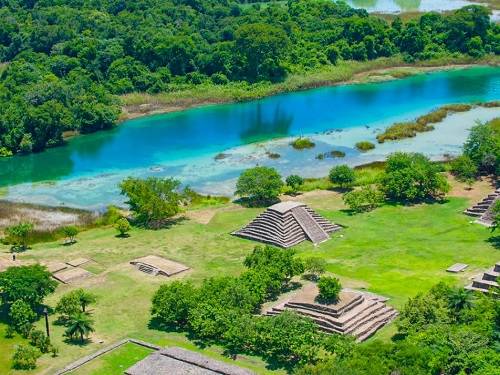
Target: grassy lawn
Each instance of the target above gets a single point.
(7, 348)
(395, 251)
(116, 361)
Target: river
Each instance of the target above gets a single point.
(86, 171)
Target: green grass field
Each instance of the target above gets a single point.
(395, 251)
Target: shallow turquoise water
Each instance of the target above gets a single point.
(87, 170)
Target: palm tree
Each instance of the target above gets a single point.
(85, 298)
(79, 325)
(459, 299)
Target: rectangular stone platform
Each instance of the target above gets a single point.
(157, 265)
(72, 275)
(457, 267)
(78, 262)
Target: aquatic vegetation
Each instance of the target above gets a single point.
(331, 154)
(365, 146)
(302, 143)
(273, 155)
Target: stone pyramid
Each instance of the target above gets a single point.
(287, 224)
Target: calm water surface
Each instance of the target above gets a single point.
(86, 171)
(397, 6)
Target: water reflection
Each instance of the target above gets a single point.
(393, 6)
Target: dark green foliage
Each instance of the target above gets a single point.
(18, 235)
(153, 200)
(39, 340)
(70, 232)
(411, 178)
(171, 303)
(30, 284)
(365, 146)
(79, 326)
(68, 59)
(260, 184)
(329, 289)
(483, 148)
(496, 216)
(464, 169)
(342, 175)
(315, 267)
(123, 226)
(302, 143)
(21, 315)
(294, 182)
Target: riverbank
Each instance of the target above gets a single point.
(345, 73)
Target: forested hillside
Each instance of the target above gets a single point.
(68, 60)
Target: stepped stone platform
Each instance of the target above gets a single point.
(71, 275)
(482, 211)
(487, 281)
(356, 313)
(155, 265)
(287, 224)
(183, 362)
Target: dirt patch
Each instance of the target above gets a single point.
(480, 189)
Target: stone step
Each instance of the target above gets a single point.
(375, 328)
(313, 230)
(484, 284)
(327, 310)
(491, 275)
(364, 329)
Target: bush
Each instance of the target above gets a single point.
(171, 303)
(122, 226)
(365, 146)
(21, 314)
(40, 340)
(302, 143)
(315, 267)
(342, 175)
(25, 357)
(18, 235)
(329, 289)
(294, 182)
(366, 199)
(70, 232)
(260, 184)
(412, 178)
(464, 169)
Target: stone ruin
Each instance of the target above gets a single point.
(355, 313)
(487, 281)
(482, 211)
(287, 224)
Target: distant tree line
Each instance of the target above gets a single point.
(67, 59)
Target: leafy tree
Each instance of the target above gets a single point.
(260, 184)
(464, 169)
(25, 357)
(79, 325)
(123, 226)
(153, 200)
(18, 235)
(329, 289)
(315, 267)
(70, 232)
(39, 340)
(294, 182)
(365, 199)
(483, 148)
(411, 178)
(342, 175)
(30, 284)
(21, 315)
(495, 211)
(171, 303)
(74, 302)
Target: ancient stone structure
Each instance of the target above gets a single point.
(183, 362)
(483, 210)
(486, 281)
(155, 265)
(287, 224)
(355, 313)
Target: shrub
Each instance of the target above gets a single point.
(25, 357)
(302, 143)
(464, 169)
(342, 175)
(365, 146)
(294, 182)
(5, 152)
(123, 226)
(337, 154)
(21, 314)
(260, 184)
(366, 199)
(402, 130)
(70, 232)
(315, 267)
(412, 177)
(171, 303)
(18, 235)
(40, 340)
(329, 289)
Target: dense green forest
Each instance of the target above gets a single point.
(66, 61)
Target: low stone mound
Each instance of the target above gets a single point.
(487, 281)
(483, 210)
(156, 265)
(287, 224)
(71, 275)
(355, 313)
(183, 362)
(54, 267)
(78, 262)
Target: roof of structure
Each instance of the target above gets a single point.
(182, 362)
(287, 224)
(161, 265)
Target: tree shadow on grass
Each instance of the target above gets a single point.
(77, 342)
(255, 203)
(123, 236)
(494, 241)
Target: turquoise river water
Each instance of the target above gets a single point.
(86, 171)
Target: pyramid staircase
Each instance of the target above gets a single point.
(288, 224)
(483, 210)
(146, 268)
(487, 281)
(361, 317)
